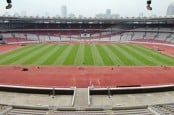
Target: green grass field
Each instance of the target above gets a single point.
(85, 54)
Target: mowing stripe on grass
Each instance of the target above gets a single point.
(4, 56)
(51, 58)
(29, 57)
(62, 57)
(112, 55)
(43, 59)
(120, 55)
(138, 56)
(145, 56)
(85, 54)
(166, 60)
(104, 55)
(79, 60)
(88, 59)
(34, 56)
(72, 55)
(135, 58)
(96, 56)
(13, 57)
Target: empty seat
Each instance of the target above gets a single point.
(79, 113)
(133, 112)
(27, 112)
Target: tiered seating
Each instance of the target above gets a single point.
(172, 40)
(169, 107)
(105, 33)
(19, 35)
(108, 34)
(170, 37)
(54, 38)
(124, 36)
(150, 35)
(127, 36)
(105, 39)
(65, 38)
(95, 35)
(12, 40)
(151, 40)
(27, 112)
(134, 111)
(80, 113)
(32, 37)
(7, 36)
(115, 38)
(63, 28)
(138, 35)
(161, 110)
(162, 36)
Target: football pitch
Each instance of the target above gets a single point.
(85, 55)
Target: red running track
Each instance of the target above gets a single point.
(67, 76)
(5, 48)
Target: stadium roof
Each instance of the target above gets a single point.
(143, 20)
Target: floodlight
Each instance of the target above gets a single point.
(9, 4)
(148, 5)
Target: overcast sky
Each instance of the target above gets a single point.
(88, 8)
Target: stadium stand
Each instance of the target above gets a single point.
(90, 110)
(20, 111)
(79, 113)
(86, 101)
(14, 40)
(133, 111)
(96, 32)
(137, 110)
(166, 107)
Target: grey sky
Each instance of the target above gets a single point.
(86, 7)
